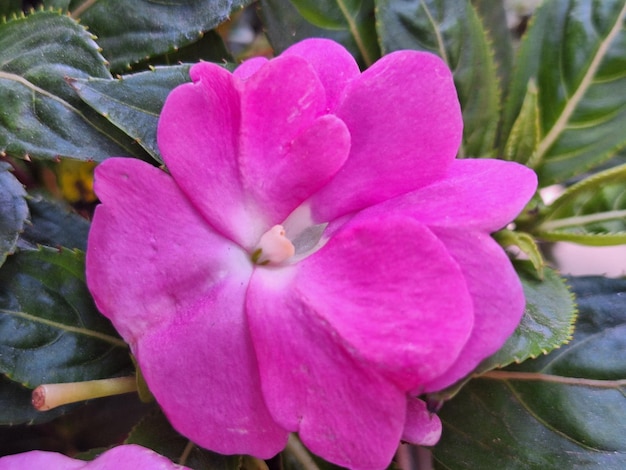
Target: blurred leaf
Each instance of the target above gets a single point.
(13, 211)
(576, 53)
(156, 433)
(8, 7)
(16, 406)
(525, 135)
(41, 116)
(130, 32)
(591, 212)
(452, 30)
(565, 410)
(54, 224)
(349, 22)
(134, 102)
(50, 330)
(547, 324)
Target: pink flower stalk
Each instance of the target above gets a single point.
(315, 258)
(126, 457)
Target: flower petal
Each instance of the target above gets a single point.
(249, 67)
(175, 290)
(483, 194)
(334, 65)
(422, 427)
(497, 295)
(391, 291)
(405, 123)
(344, 412)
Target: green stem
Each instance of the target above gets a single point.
(297, 450)
(577, 221)
(539, 377)
(354, 30)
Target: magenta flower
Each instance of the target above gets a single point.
(126, 457)
(315, 258)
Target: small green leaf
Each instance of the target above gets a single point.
(54, 224)
(133, 102)
(41, 116)
(526, 243)
(591, 212)
(129, 32)
(50, 330)
(13, 211)
(576, 53)
(526, 134)
(452, 30)
(349, 22)
(563, 410)
(547, 324)
(156, 433)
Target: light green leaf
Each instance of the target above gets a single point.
(349, 22)
(452, 30)
(591, 212)
(547, 324)
(563, 410)
(133, 102)
(13, 211)
(576, 53)
(525, 135)
(50, 330)
(156, 433)
(526, 243)
(129, 32)
(40, 115)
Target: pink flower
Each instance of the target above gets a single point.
(126, 457)
(314, 259)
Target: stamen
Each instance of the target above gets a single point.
(274, 247)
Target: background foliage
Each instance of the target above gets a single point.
(82, 80)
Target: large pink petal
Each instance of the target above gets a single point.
(405, 123)
(483, 194)
(344, 411)
(334, 65)
(198, 136)
(289, 149)
(496, 293)
(175, 291)
(392, 292)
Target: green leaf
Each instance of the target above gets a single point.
(41, 116)
(525, 135)
(591, 212)
(16, 405)
(50, 330)
(130, 32)
(134, 102)
(526, 243)
(156, 433)
(576, 54)
(54, 224)
(563, 410)
(13, 211)
(349, 22)
(452, 30)
(8, 7)
(547, 324)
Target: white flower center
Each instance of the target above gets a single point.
(274, 247)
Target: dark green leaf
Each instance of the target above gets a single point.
(134, 102)
(54, 224)
(525, 135)
(563, 410)
(351, 23)
(8, 7)
(548, 323)
(16, 406)
(130, 32)
(50, 330)
(41, 115)
(156, 433)
(576, 53)
(591, 212)
(13, 211)
(452, 30)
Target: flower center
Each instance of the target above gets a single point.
(273, 247)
